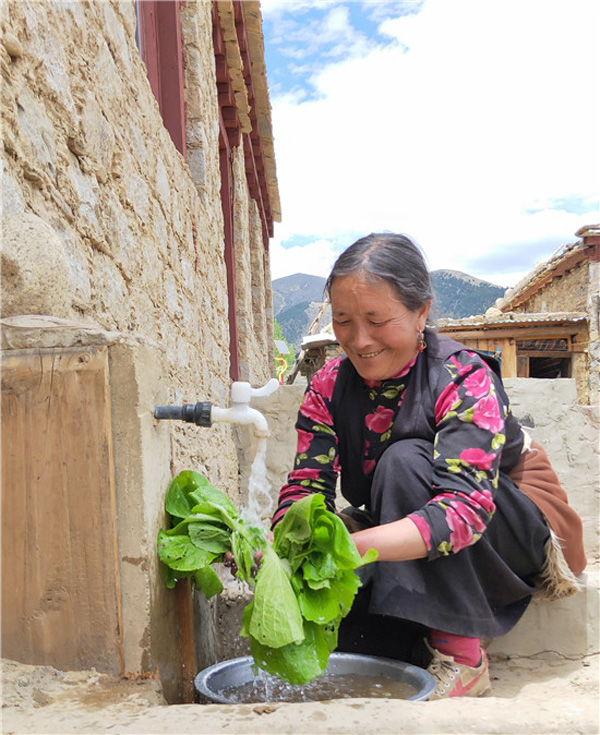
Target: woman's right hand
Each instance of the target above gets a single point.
(229, 560)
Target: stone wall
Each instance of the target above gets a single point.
(566, 292)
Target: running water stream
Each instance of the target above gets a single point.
(260, 500)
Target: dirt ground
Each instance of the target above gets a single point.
(545, 694)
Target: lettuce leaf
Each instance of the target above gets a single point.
(296, 663)
(276, 619)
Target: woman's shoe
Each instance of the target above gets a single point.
(458, 680)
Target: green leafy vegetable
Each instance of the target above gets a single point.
(275, 620)
(304, 587)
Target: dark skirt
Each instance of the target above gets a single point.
(481, 591)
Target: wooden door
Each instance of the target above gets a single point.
(60, 580)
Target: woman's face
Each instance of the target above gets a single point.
(377, 332)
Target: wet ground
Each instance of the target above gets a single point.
(542, 694)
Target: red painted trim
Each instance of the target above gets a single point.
(149, 43)
(162, 52)
(254, 184)
(172, 101)
(228, 254)
(226, 134)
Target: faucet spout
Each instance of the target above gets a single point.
(242, 414)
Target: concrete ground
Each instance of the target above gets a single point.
(534, 695)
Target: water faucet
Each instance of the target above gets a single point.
(205, 414)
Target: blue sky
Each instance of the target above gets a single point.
(471, 125)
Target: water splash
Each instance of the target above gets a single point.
(266, 688)
(261, 503)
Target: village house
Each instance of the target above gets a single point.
(547, 325)
(138, 199)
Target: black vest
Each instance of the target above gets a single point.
(415, 419)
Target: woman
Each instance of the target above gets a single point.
(420, 429)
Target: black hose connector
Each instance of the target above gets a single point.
(198, 413)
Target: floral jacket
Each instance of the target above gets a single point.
(469, 420)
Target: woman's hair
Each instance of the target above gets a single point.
(395, 259)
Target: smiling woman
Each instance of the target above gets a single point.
(419, 429)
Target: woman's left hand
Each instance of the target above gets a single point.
(396, 541)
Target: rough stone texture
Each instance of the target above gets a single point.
(36, 278)
(569, 433)
(593, 302)
(579, 288)
(571, 288)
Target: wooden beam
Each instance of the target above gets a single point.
(509, 359)
(516, 331)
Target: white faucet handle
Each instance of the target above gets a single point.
(267, 389)
(241, 392)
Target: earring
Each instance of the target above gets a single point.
(421, 344)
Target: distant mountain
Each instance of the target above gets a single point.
(296, 299)
(458, 295)
(296, 320)
(291, 290)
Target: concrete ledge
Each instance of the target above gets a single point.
(566, 628)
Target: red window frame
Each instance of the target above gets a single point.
(159, 39)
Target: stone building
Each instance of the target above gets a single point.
(547, 325)
(138, 199)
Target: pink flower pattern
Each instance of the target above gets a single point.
(448, 399)
(478, 458)
(380, 421)
(468, 419)
(486, 414)
(477, 383)
(304, 440)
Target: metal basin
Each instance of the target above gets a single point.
(237, 672)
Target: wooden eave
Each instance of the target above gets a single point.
(244, 101)
(573, 325)
(262, 106)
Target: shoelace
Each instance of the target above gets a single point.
(445, 672)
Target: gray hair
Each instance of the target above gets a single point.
(395, 259)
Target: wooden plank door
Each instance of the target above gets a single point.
(60, 580)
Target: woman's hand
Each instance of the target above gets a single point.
(396, 541)
(229, 560)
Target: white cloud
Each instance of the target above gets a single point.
(315, 259)
(491, 110)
